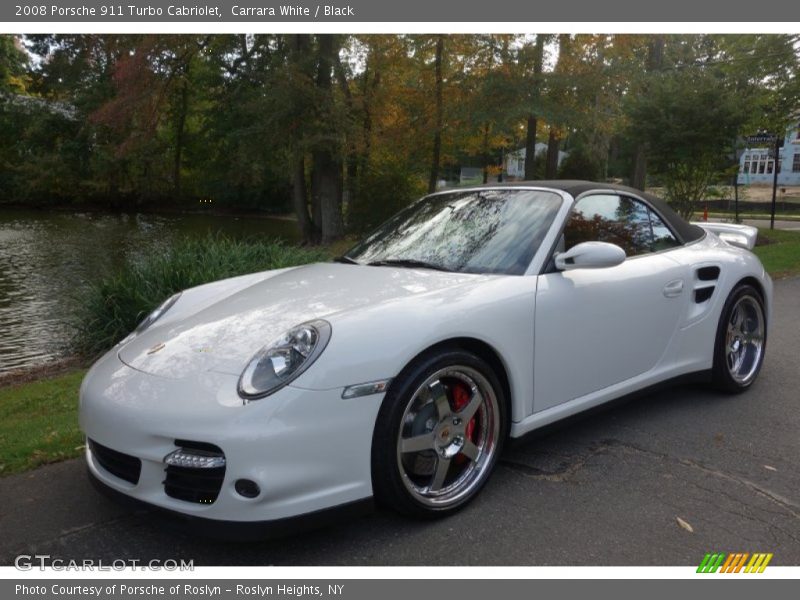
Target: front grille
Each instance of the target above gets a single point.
(120, 465)
(196, 485)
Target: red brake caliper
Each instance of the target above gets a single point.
(460, 396)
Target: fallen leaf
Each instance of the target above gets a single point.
(769, 468)
(684, 524)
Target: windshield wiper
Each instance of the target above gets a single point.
(346, 260)
(407, 262)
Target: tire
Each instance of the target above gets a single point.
(741, 340)
(438, 434)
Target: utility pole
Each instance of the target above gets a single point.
(775, 180)
(762, 137)
(736, 184)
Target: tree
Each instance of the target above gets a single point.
(326, 180)
(559, 96)
(312, 119)
(655, 60)
(13, 64)
(687, 120)
(764, 72)
(436, 153)
(345, 130)
(150, 109)
(537, 63)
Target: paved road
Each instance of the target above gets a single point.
(764, 223)
(603, 490)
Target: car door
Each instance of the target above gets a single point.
(596, 328)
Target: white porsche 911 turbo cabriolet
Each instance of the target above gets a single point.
(398, 370)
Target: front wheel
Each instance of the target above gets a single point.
(741, 340)
(438, 435)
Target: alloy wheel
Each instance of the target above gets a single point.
(448, 437)
(744, 339)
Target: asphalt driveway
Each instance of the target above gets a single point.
(607, 489)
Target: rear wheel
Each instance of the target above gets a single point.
(438, 434)
(741, 340)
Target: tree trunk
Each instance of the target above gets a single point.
(300, 201)
(485, 153)
(530, 148)
(554, 137)
(366, 127)
(655, 60)
(352, 159)
(553, 146)
(437, 131)
(326, 174)
(300, 47)
(326, 185)
(180, 129)
(639, 175)
(530, 137)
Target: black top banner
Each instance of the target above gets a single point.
(441, 11)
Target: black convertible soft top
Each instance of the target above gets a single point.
(685, 231)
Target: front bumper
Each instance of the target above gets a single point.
(241, 531)
(307, 450)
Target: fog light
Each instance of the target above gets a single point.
(247, 488)
(194, 459)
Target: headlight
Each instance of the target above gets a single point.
(152, 317)
(280, 362)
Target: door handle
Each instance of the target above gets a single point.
(673, 288)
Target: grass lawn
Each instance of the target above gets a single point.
(781, 252)
(39, 422)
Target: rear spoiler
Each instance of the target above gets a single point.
(742, 236)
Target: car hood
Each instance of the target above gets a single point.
(224, 335)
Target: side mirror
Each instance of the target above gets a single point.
(590, 255)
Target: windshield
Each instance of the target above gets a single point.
(476, 231)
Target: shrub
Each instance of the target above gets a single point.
(112, 307)
(581, 164)
(382, 191)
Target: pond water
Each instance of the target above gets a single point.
(47, 258)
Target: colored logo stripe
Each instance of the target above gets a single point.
(758, 563)
(711, 563)
(733, 563)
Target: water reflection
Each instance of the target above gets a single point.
(47, 259)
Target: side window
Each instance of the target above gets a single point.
(619, 220)
(663, 238)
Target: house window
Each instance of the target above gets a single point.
(796, 163)
(759, 163)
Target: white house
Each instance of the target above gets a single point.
(515, 161)
(756, 164)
